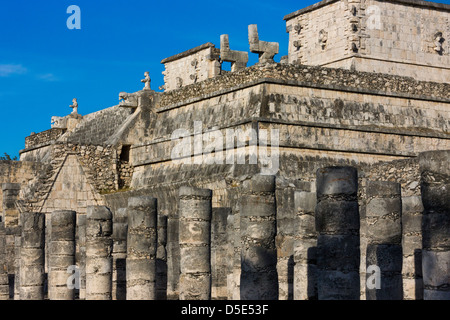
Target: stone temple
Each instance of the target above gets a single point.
(323, 176)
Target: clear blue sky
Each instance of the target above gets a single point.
(44, 65)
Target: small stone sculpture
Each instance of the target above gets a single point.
(265, 50)
(323, 38)
(147, 80)
(179, 82)
(238, 59)
(74, 106)
(128, 100)
(438, 40)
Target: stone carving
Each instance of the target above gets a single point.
(298, 28)
(297, 44)
(238, 59)
(265, 50)
(129, 100)
(146, 80)
(74, 106)
(179, 82)
(438, 40)
(354, 47)
(353, 10)
(323, 38)
(59, 122)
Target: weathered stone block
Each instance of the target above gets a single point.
(436, 268)
(195, 259)
(337, 217)
(387, 257)
(338, 252)
(258, 259)
(436, 231)
(337, 180)
(379, 207)
(337, 285)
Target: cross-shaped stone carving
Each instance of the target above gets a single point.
(266, 50)
(238, 59)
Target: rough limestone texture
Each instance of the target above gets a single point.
(384, 237)
(62, 254)
(435, 187)
(80, 253)
(17, 246)
(259, 278)
(161, 258)
(4, 283)
(98, 253)
(305, 247)
(195, 243)
(219, 257)
(290, 226)
(141, 248)
(120, 232)
(337, 222)
(32, 256)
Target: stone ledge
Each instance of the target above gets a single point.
(415, 3)
(187, 52)
(307, 76)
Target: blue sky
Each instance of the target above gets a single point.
(44, 65)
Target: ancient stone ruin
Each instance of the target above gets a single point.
(323, 176)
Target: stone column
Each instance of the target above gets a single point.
(219, 256)
(287, 232)
(161, 259)
(337, 222)
(17, 246)
(80, 255)
(435, 186)
(230, 254)
(195, 210)
(98, 253)
(384, 238)
(412, 212)
(173, 256)
(4, 282)
(62, 254)
(305, 256)
(259, 278)
(141, 248)
(32, 256)
(119, 254)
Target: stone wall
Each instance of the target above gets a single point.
(395, 37)
(44, 137)
(19, 172)
(197, 64)
(97, 127)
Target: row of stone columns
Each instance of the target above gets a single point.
(326, 255)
